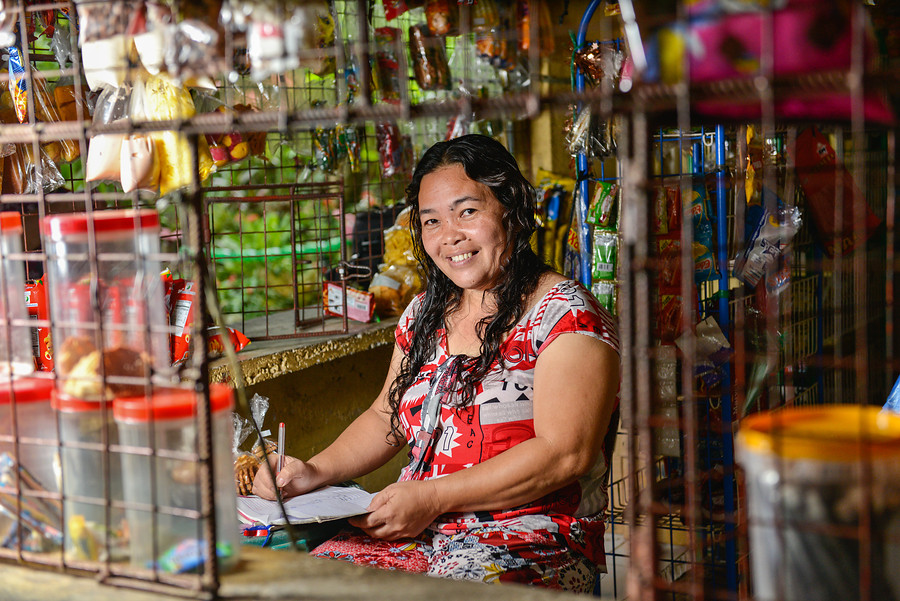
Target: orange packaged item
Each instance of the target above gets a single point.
(36, 303)
(45, 109)
(67, 103)
(183, 321)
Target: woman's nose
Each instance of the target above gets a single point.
(451, 233)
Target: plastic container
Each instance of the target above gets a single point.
(116, 290)
(91, 478)
(15, 338)
(36, 426)
(37, 453)
(168, 422)
(823, 494)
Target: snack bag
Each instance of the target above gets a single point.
(360, 304)
(442, 17)
(217, 340)
(164, 102)
(429, 59)
(817, 172)
(105, 150)
(600, 212)
(394, 287)
(139, 163)
(182, 321)
(36, 302)
(68, 103)
(45, 109)
(245, 464)
(387, 63)
(604, 256)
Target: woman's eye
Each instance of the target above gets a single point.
(468, 211)
(428, 222)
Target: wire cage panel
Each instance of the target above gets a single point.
(271, 255)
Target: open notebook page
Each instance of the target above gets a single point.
(322, 505)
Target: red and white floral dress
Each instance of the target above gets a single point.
(556, 540)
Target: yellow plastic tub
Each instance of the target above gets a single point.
(823, 496)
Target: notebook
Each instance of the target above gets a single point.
(322, 505)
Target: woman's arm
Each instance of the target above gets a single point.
(362, 447)
(575, 385)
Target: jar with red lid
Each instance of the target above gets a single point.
(160, 446)
(91, 479)
(29, 439)
(15, 331)
(108, 324)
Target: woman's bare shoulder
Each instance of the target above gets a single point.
(548, 281)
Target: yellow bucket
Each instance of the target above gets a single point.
(830, 433)
(822, 491)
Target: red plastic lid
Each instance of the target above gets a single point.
(119, 220)
(10, 221)
(27, 390)
(171, 404)
(69, 404)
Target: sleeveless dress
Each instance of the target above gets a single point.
(555, 541)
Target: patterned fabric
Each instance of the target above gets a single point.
(484, 555)
(554, 541)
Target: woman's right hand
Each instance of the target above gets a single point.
(296, 477)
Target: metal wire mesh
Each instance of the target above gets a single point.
(272, 232)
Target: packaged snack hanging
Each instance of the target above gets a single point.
(162, 102)
(387, 45)
(429, 59)
(158, 487)
(108, 318)
(15, 333)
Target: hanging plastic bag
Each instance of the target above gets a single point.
(387, 40)
(138, 157)
(140, 165)
(245, 464)
(105, 150)
(167, 102)
(429, 59)
(46, 110)
(47, 177)
(68, 102)
(192, 54)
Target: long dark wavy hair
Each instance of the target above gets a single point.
(485, 161)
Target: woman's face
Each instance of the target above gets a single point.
(462, 227)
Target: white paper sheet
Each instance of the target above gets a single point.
(329, 503)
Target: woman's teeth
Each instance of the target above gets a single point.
(461, 257)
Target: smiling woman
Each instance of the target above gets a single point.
(503, 384)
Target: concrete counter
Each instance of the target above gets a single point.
(267, 359)
(277, 575)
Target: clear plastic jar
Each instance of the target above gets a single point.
(91, 478)
(35, 425)
(108, 321)
(15, 332)
(28, 400)
(157, 494)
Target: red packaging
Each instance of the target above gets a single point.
(360, 305)
(394, 8)
(817, 171)
(184, 296)
(216, 346)
(36, 302)
(182, 321)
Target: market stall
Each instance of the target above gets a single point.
(204, 234)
